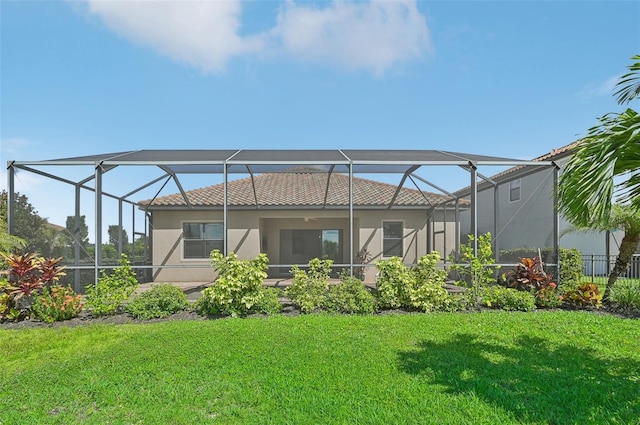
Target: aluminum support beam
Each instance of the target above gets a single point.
(556, 220)
(98, 222)
(225, 209)
(76, 240)
(473, 172)
(11, 199)
(351, 220)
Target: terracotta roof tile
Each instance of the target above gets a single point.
(303, 188)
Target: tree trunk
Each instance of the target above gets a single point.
(628, 247)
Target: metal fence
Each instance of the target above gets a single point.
(595, 266)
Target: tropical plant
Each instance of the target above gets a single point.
(529, 275)
(29, 273)
(626, 294)
(112, 289)
(309, 287)
(238, 289)
(605, 165)
(586, 294)
(56, 303)
(26, 275)
(548, 297)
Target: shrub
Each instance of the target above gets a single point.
(27, 275)
(507, 299)
(159, 301)
(309, 288)
(349, 296)
(626, 294)
(570, 267)
(111, 290)
(418, 288)
(56, 303)
(529, 275)
(584, 295)
(269, 301)
(238, 289)
(548, 297)
(427, 292)
(394, 283)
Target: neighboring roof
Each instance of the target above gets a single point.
(515, 172)
(300, 188)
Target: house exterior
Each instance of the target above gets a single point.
(517, 207)
(295, 216)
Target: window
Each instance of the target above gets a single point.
(514, 190)
(202, 238)
(392, 238)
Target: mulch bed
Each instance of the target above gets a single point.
(86, 318)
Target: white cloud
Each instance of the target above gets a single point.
(203, 34)
(364, 35)
(604, 88)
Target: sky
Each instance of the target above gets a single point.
(507, 78)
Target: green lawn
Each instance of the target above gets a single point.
(459, 368)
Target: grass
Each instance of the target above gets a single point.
(477, 368)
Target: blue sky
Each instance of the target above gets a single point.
(507, 78)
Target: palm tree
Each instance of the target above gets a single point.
(604, 168)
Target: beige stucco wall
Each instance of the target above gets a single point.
(251, 232)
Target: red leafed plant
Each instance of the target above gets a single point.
(27, 274)
(528, 275)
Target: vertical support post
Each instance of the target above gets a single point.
(351, 219)
(98, 221)
(457, 230)
(225, 210)
(120, 232)
(132, 253)
(430, 232)
(556, 222)
(444, 231)
(76, 240)
(496, 221)
(11, 198)
(473, 171)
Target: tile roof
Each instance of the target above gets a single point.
(555, 154)
(302, 188)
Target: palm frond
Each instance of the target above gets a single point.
(611, 149)
(628, 87)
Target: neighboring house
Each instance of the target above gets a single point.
(523, 202)
(295, 216)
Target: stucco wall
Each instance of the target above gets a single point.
(252, 232)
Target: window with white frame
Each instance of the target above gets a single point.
(392, 232)
(514, 190)
(202, 238)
